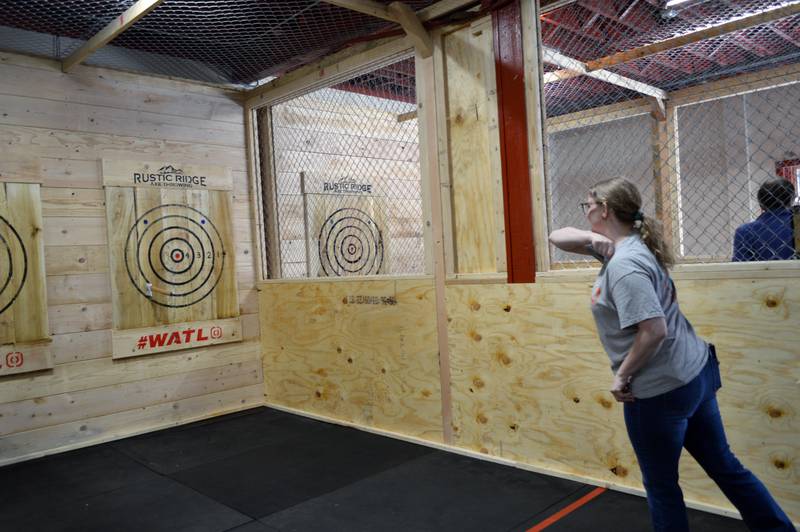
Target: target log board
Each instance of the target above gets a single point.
(24, 340)
(351, 235)
(171, 256)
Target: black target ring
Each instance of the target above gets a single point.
(350, 243)
(172, 246)
(177, 255)
(150, 251)
(11, 284)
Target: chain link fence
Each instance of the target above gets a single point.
(344, 160)
(708, 130)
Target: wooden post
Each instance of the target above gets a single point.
(305, 222)
(269, 199)
(429, 140)
(665, 172)
(537, 130)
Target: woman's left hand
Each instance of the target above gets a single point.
(621, 389)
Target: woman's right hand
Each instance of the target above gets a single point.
(602, 245)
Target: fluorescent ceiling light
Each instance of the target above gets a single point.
(672, 3)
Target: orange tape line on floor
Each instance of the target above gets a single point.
(567, 510)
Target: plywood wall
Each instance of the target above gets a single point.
(530, 380)
(68, 123)
(474, 172)
(362, 352)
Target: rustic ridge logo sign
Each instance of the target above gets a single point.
(152, 174)
(169, 176)
(346, 186)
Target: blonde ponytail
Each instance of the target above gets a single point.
(624, 199)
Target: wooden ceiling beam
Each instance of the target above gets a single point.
(444, 7)
(413, 27)
(367, 7)
(399, 13)
(112, 30)
(555, 58)
(682, 40)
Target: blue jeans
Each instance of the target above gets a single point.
(659, 427)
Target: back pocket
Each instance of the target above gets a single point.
(716, 378)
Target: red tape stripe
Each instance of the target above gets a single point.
(567, 510)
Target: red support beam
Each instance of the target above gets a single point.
(517, 198)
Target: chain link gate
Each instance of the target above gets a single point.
(347, 190)
(699, 125)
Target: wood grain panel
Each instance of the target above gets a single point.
(530, 380)
(59, 438)
(31, 414)
(88, 374)
(25, 294)
(344, 350)
(69, 144)
(474, 169)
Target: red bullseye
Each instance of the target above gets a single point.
(177, 255)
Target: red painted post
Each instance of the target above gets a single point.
(517, 199)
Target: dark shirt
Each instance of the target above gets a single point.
(769, 237)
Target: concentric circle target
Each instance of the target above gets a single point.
(350, 243)
(178, 250)
(13, 264)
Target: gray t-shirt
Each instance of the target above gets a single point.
(630, 288)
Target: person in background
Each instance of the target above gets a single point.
(771, 235)
(664, 373)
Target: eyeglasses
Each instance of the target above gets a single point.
(585, 205)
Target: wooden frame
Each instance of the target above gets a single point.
(367, 7)
(442, 142)
(429, 155)
(110, 32)
(336, 67)
(264, 261)
(534, 106)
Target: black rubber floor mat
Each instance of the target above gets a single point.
(173, 450)
(282, 474)
(441, 491)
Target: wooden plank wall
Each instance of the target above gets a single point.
(530, 380)
(68, 122)
(473, 146)
(344, 350)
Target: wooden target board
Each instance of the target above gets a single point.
(348, 235)
(24, 340)
(172, 261)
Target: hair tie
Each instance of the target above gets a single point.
(638, 217)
